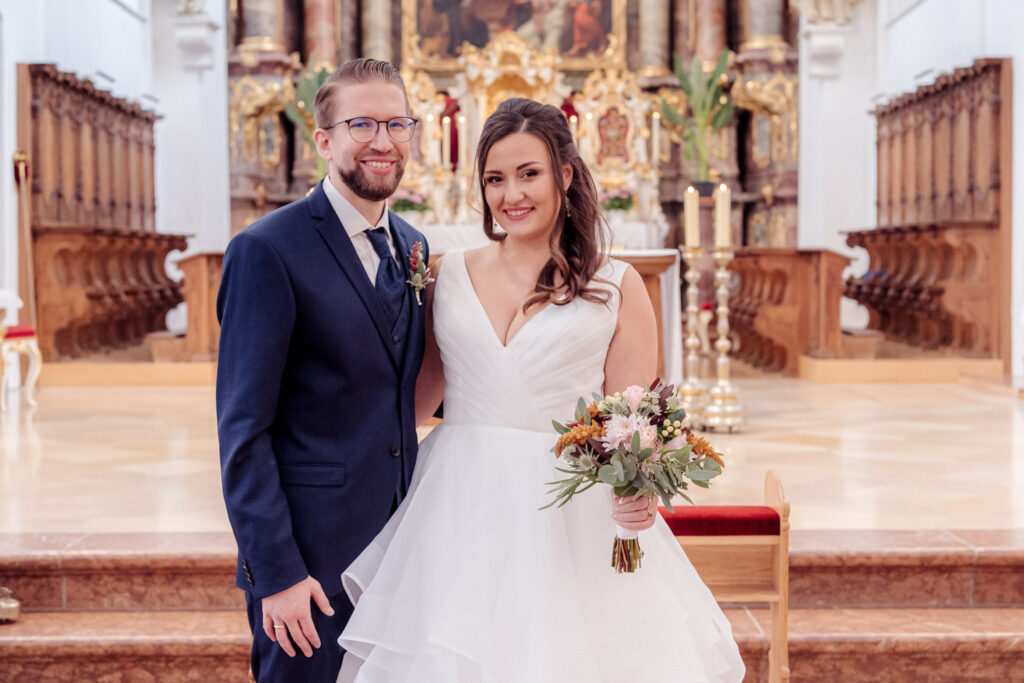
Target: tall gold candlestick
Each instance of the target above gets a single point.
(724, 409)
(694, 393)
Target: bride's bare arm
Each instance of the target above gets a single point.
(633, 359)
(633, 353)
(430, 381)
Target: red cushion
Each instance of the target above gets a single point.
(18, 331)
(722, 520)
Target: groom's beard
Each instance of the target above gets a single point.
(372, 188)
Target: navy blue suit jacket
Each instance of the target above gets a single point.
(315, 396)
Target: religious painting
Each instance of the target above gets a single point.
(586, 34)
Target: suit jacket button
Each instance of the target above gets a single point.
(396, 451)
(396, 339)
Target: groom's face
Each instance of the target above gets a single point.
(373, 169)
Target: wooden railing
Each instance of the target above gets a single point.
(786, 305)
(931, 285)
(101, 288)
(939, 270)
(88, 203)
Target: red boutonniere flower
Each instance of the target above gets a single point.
(420, 272)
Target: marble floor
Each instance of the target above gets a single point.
(851, 456)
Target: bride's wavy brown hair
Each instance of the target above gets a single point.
(578, 238)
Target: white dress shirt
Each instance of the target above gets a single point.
(356, 226)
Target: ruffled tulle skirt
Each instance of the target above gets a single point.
(470, 583)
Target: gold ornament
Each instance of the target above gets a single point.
(10, 608)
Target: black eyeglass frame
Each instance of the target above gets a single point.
(348, 122)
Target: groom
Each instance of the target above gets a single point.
(321, 341)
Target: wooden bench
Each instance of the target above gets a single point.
(742, 554)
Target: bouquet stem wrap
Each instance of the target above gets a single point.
(626, 552)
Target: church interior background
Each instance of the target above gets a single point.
(841, 302)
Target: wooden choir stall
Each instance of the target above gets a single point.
(91, 261)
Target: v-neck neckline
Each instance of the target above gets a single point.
(487, 318)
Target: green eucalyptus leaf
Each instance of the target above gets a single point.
(635, 443)
(559, 427)
(607, 475)
(703, 475)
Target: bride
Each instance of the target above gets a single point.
(470, 582)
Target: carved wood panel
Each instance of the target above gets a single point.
(98, 264)
(944, 235)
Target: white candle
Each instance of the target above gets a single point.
(446, 142)
(655, 133)
(691, 218)
(574, 127)
(587, 138)
(723, 227)
(463, 138)
(428, 135)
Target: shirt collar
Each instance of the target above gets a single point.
(353, 221)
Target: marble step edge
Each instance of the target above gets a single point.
(900, 548)
(881, 630)
(67, 634)
(211, 551)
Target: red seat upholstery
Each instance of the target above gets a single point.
(19, 331)
(722, 520)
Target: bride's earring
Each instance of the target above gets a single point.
(568, 210)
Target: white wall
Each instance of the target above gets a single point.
(939, 35)
(192, 169)
(837, 140)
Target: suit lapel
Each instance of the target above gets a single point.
(340, 245)
(403, 248)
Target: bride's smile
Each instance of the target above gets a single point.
(519, 186)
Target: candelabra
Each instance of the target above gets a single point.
(693, 392)
(724, 409)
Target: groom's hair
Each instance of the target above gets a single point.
(353, 71)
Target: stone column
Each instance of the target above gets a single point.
(761, 24)
(263, 25)
(654, 58)
(321, 46)
(377, 29)
(710, 28)
(348, 30)
(685, 34)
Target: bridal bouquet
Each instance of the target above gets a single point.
(638, 442)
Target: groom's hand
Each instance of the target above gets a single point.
(290, 609)
(637, 515)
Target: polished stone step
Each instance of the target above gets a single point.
(831, 645)
(209, 646)
(926, 568)
(969, 645)
(187, 571)
(121, 572)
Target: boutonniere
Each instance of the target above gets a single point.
(420, 272)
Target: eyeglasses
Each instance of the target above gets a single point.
(364, 129)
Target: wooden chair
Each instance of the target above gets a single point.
(17, 339)
(742, 554)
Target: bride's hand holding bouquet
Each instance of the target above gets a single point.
(637, 441)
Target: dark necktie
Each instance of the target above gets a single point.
(390, 283)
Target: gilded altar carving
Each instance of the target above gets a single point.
(254, 115)
(774, 104)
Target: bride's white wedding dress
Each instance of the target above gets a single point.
(469, 582)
